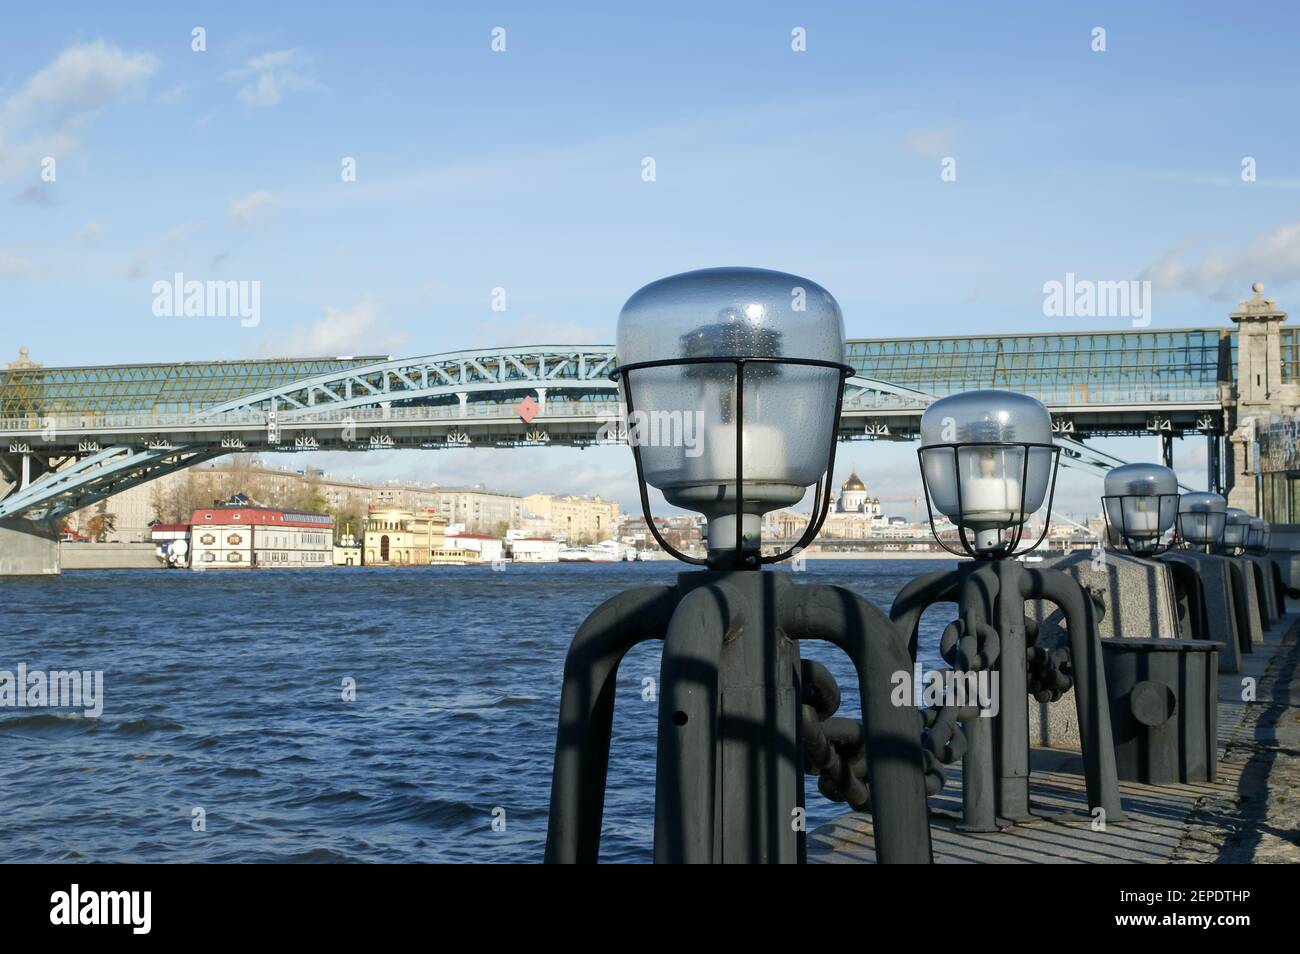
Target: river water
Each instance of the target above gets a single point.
(223, 711)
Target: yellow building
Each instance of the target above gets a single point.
(347, 554)
(401, 538)
(396, 537)
(579, 519)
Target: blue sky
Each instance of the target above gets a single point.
(522, 170)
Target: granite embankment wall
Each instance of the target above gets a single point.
(107, 556)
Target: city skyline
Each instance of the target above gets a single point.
(394, 491)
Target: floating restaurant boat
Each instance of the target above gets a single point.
(608, 551)
(594, 554)
(171, 543)
(244, 537)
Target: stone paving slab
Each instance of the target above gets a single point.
(1251, 812)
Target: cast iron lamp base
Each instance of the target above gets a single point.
(730, 762)
(991, 634)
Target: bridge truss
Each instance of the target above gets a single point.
(557, 395)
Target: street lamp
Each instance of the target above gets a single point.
(1236, 526)
(987, 464)
(732, 379)
(750, 362)
(1258, 532)
(1201, 519)
(1140, 504)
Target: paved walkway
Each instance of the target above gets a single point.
(1250, 813)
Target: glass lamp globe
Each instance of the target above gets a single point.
(987, 459)
(786, 411)
(1141, 502)
(1235, 528)
(1257, 532)
(1201, 517)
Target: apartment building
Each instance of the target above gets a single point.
(579, 519)
(480, 510)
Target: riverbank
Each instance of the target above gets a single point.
(879, 555)
(1248, 814)
(108, 556)
(140, 556)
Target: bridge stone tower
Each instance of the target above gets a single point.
(1259, 391)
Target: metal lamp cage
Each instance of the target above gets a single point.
(1257, 541)
(737, 557)
(1009, 539)
(1200, 519)
(1141, 547)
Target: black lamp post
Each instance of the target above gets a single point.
(1236, 530)
(1202, 518)
(1258, 536)
(1258, 542)
(988, 464)
(1218, 533)
(1140, 505)
(754, 361)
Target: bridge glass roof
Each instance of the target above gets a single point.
(1139, 366)
(1125, 367)
(164, 388)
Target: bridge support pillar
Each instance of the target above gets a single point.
(1214, 477)
(1259, 392)
(27, 548)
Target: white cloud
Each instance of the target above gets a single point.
(266, 78)
(42, 118)
(933, 143)
(244, 210)
(169, 252)
(173, 96)
(1271, 256)
(532, 329)
(41, 194)
(356, 330)
(15, 264)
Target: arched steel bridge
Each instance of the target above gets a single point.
(72, 436)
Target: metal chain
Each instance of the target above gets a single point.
(834, 747)
(942, 740)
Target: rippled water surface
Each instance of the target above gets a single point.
(222, 691)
